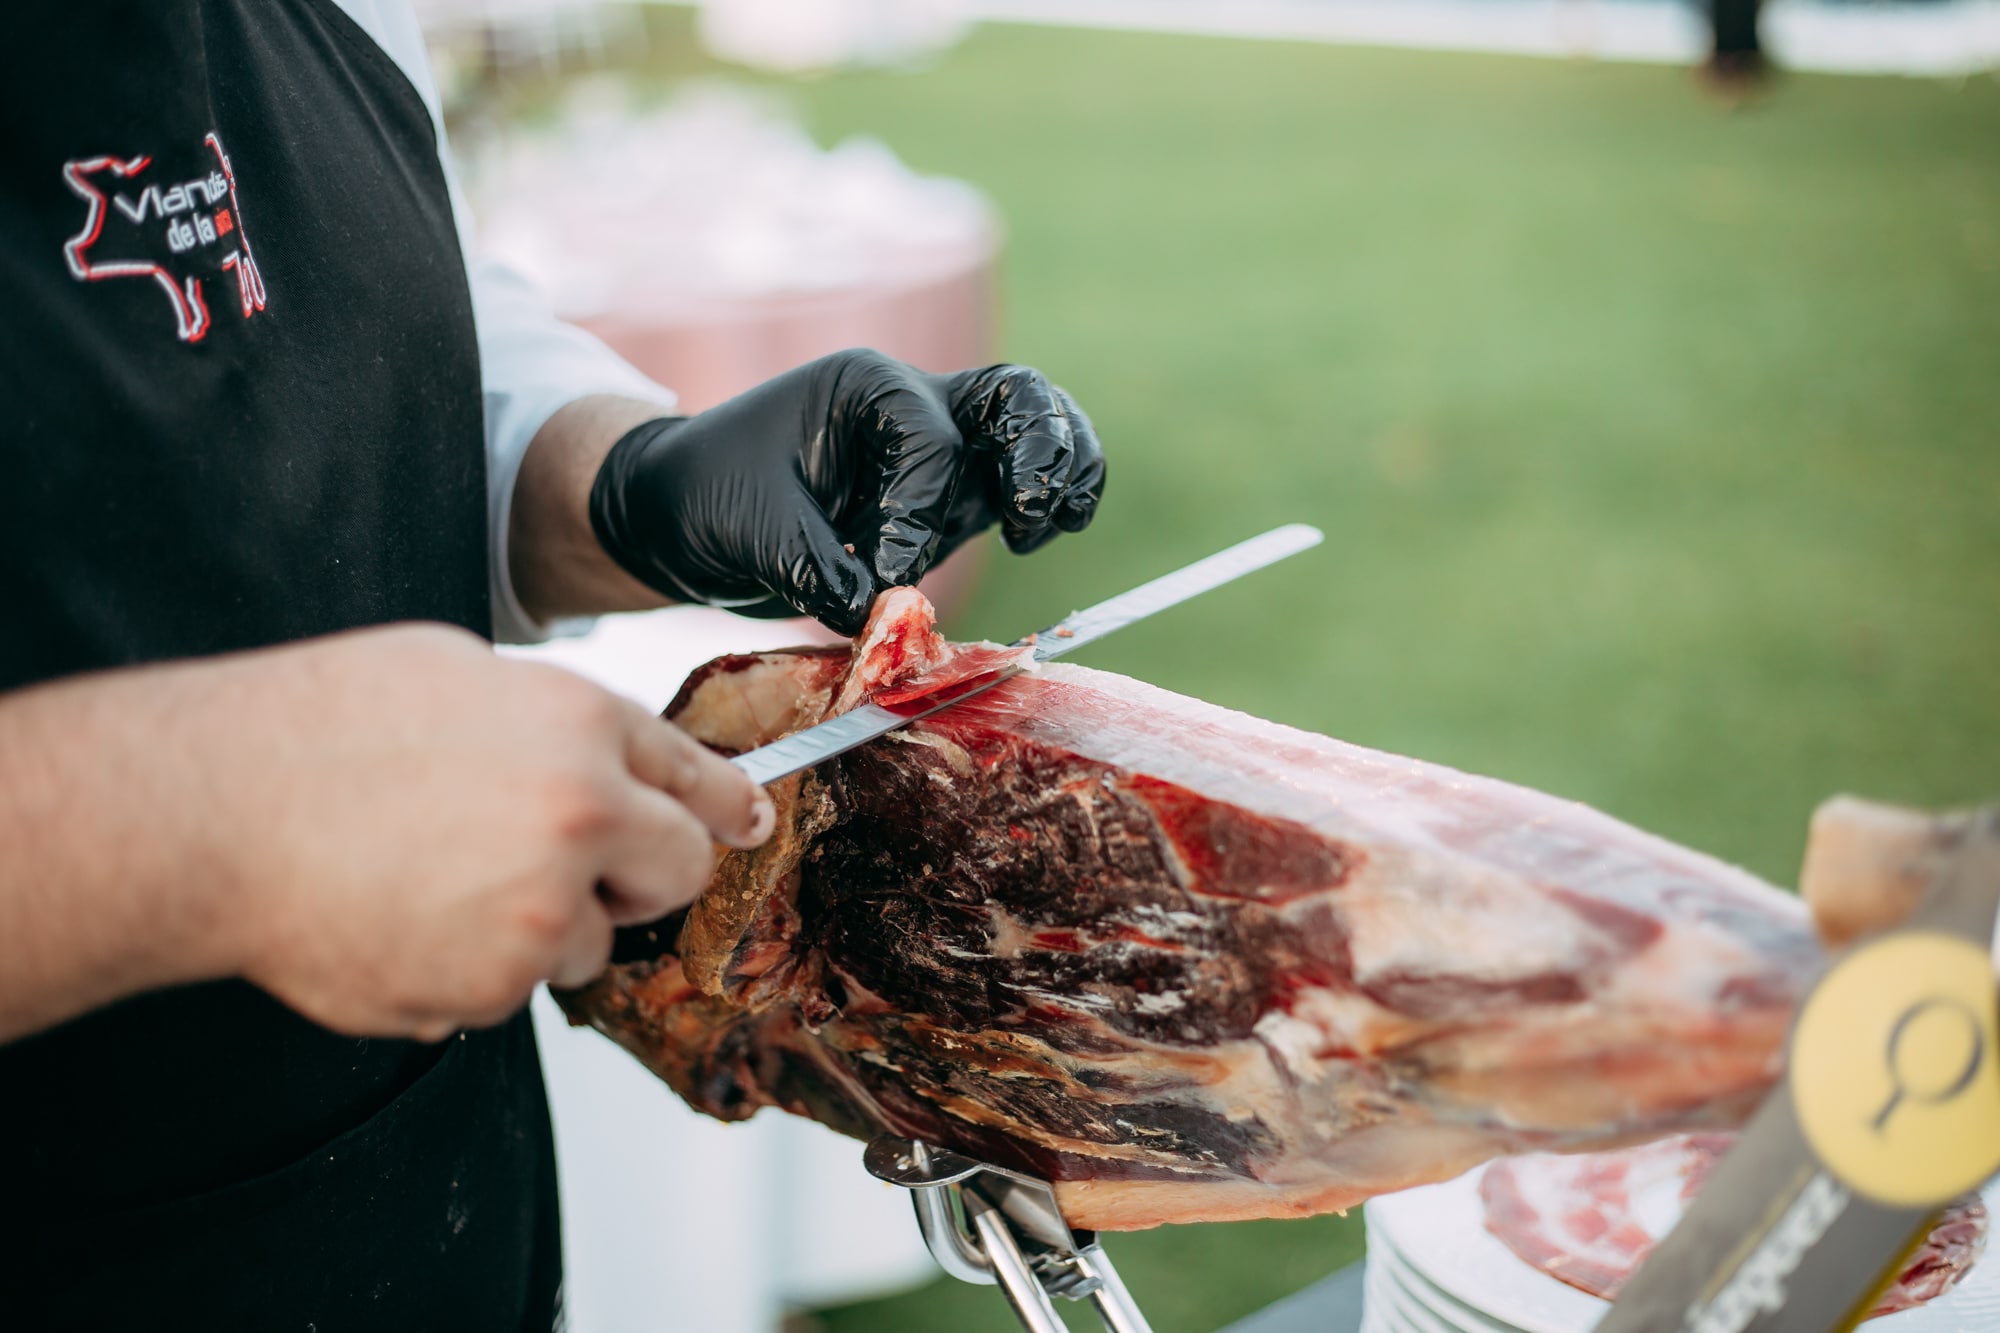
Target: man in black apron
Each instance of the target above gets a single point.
(274, 884)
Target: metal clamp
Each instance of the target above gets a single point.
(988, 1224)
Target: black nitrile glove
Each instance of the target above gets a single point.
(816, 490)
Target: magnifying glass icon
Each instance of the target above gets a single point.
(1964, 1068)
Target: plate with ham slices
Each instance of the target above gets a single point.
(1541, 1244)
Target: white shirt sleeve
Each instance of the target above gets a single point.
(530, 362)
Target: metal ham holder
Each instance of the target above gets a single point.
(988, 1224)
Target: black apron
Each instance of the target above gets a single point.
(239, 405)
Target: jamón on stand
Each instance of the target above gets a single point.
(1185, 963)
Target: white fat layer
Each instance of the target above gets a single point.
(758, 703)
(1294, 1044)
(1164, 923)
(958, 763)
(1407, 917)
(1343, 1020)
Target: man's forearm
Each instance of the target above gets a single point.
(105, 886)
(391, 830)
(558, 567)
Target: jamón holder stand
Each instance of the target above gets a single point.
(989, 1224)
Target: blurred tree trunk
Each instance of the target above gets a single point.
(1735, 67)
(1735, 26)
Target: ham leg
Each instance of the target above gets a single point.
(1187, 964)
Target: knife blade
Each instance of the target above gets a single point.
(824, 740)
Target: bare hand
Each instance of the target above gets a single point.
(421, 832)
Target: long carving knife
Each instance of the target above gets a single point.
(803, 749)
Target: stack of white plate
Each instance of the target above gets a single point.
(1434, 1268)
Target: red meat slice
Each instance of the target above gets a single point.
(901, 659)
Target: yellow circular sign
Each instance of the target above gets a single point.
(1895, 1069)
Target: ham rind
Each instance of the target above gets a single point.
(1188, 964)
(1592, 1220)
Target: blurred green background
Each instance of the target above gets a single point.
(1658, 445)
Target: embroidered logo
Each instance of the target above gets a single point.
(174, 232)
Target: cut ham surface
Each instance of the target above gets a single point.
(1188, 964)
(901, 660)
(1591, 1220)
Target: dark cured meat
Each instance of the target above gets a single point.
(1583, 1219)
(1188, 964)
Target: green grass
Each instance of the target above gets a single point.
(1658, 446)
(1185, 1279)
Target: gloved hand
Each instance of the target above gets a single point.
(819, 488)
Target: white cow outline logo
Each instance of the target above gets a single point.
(191, 316)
